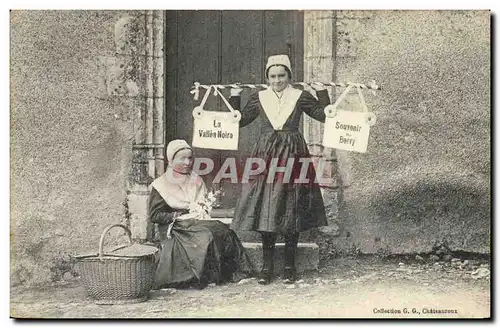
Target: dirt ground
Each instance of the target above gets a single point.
(348, 288)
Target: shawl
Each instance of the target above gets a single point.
(279, 110)
(180, 190)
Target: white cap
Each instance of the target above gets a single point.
(174, 146)
(279, 60)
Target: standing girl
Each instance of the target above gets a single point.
(286, 202)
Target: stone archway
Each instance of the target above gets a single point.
(136, 72)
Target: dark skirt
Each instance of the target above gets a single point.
(206, 252)
(281, 205)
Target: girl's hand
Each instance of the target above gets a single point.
(308, 88)
(195, 207)
(236, 92)
(318, 86)
(188, 216)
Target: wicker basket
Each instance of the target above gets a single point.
(118, 277)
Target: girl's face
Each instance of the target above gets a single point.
(278, 78)
(183, 161)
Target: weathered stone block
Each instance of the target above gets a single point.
(315, 149)
(344, 167)
(318, 37)
(326, 172)
(355, 14)
(346, 48)
(332, 230)
(110, 75)
(130, 35)
(138, 207)
(319, 69)
(158, 78)
(318, 14)
(156, 24)
(120, 76)
(331, 199)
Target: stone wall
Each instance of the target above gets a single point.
(426, 176)
(87, 129)
(79, 98)
(319, 65)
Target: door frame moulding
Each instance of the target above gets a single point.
(150, 118)
(147, 38)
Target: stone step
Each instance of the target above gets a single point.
(254, 236)
(226, 221)
(222, 213)
(244, 236)
(307, 256)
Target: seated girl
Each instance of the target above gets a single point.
(193, 248)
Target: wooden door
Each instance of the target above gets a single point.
(220, 47)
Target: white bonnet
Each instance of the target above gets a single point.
(174, 146)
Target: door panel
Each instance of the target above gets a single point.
(242, 46)
(224, 47)
(197, 60)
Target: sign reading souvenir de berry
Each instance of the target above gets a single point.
(348, 130)
(214, 129)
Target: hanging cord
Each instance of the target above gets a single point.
(205, 97)
(370, 117)
(236, 113)
(196, 91)
(331, 110)
(171, 225)
(196, 88)
(198, 111)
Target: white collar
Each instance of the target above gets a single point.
(278, 110)
(179, 191)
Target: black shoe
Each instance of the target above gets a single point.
(290, 276)
(201, 283)
(265, 277)
(266, 274)
(238, 276)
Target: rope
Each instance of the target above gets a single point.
(331, 110)
(196, 88)
(197, 111)
(205, 97)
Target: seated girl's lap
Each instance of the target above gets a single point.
(212, 224)
(217, 228)
(213, 227)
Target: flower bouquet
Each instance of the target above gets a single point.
(197, 210)
(204, 207)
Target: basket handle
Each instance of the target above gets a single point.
(101, 242)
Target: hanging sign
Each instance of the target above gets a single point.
(348, 130)
(216, 130)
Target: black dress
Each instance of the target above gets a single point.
(204, 252)
(282, 206)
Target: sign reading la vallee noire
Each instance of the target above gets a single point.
(216, 130)
(348, 130)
